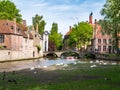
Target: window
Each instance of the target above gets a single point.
(104, 41)
(26, 40)
(1, 38)
(6, 23)
(103, 33)
(99, 48)
(12, 27)
(110, 41)
(18, 30)
(99, 40)
(104, 48)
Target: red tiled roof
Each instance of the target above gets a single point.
(8, 27)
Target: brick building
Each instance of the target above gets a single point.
(100, 43)
(17, 41)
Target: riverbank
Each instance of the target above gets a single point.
(23, 59)
(71, 77)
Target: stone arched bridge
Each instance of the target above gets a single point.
(58, 53)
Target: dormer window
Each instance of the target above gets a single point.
(6, 23)
(12, 27)
(18, 30)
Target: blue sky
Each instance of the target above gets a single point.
(64, 12)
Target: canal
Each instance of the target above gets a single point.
(45, 63)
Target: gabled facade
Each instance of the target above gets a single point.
(10, 35)
(17, 41)
(101, 42)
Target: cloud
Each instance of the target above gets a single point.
(40, 5)
(64, 12)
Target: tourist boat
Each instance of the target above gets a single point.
(70, 57)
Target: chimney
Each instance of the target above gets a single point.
(86, 21)
(95, 21)
(70, 28)
(24, 22)
(90, 18)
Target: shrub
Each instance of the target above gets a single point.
(1, 47)
(90, 55)
(38, 47)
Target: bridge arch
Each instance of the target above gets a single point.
(61, 53)
(51, 54)
(70, 53)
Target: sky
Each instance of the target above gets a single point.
(63, 12)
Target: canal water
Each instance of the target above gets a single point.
(44, 63)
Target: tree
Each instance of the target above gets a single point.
(39, 24)
(111, 22)
(41, 27)
(9, 11)
(54, 28)
(81, 34)
(55, 37)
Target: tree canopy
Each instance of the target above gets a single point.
(111, 22)
(55, 36)
(8, 10)
(39, 23)
(81, 34)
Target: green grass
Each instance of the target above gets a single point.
(82, 77)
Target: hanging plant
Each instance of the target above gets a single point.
(38, 47)
(1, 47)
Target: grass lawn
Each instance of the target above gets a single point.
(73, 77)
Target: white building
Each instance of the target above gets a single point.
(45, 41)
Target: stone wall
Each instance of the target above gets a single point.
(5, 55)
(15, 55)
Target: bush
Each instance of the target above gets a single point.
(38, 47)
(90, 55)
(1, 47)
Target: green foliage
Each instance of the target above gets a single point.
(90, 55)
(41, 27)
(9, 11)
(54, 28)
(1, 47)
(111, 11)
(38, 47)
(81, 34)
(38, 22)
(55, 36)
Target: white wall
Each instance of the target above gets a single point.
(45, 39)
(5, 55)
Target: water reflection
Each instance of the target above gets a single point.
(18, 65)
